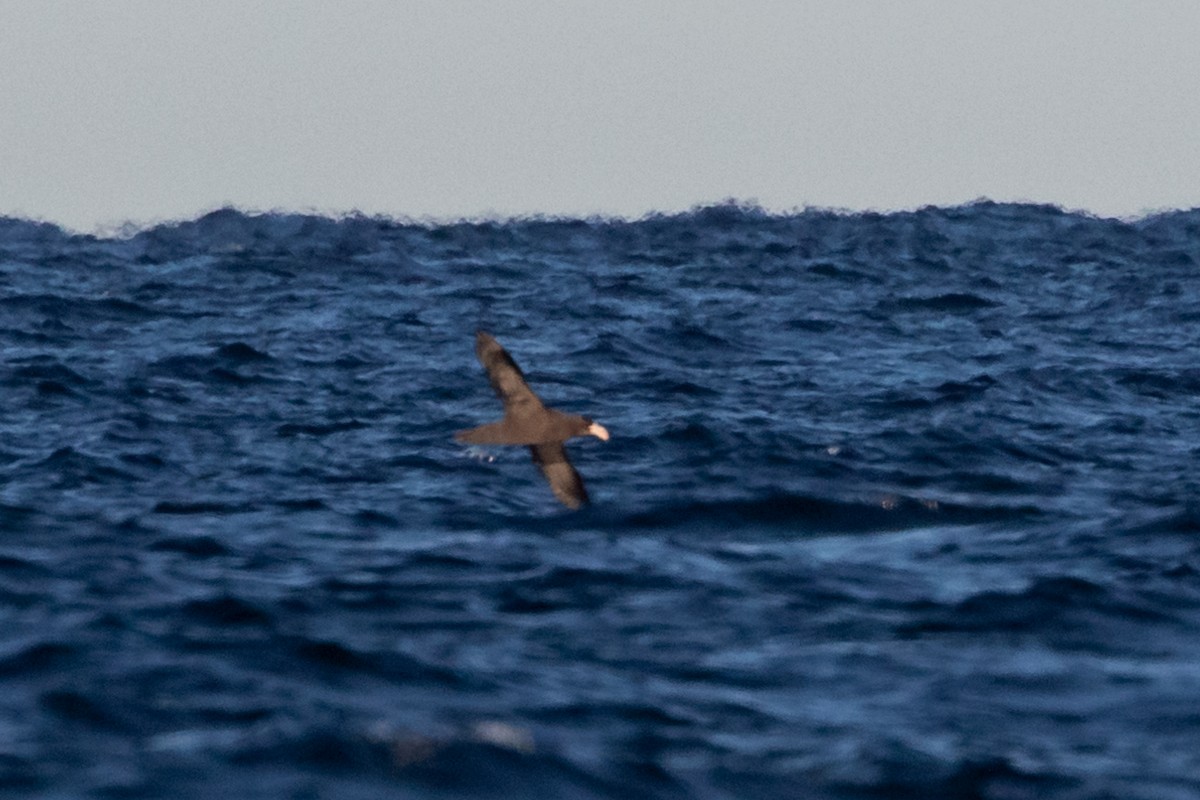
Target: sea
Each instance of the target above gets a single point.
(897, 506)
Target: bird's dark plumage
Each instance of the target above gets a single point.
(560, 473)
(528, 422)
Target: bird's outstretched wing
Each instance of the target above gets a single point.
(505, 376)
(564, 480)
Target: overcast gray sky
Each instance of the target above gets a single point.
(146, 111)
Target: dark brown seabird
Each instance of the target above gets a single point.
(528, 422)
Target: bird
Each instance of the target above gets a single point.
(527, 421)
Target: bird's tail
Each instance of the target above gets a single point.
(492, 433)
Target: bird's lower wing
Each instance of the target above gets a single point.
(564, 480)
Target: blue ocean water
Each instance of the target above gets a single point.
(896, 506)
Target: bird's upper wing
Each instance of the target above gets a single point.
(564, 480)
(505, 376)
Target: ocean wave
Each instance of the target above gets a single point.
(895, 504)
(820, 515)
(1059, 607)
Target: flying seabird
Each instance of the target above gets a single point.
(528, 422)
